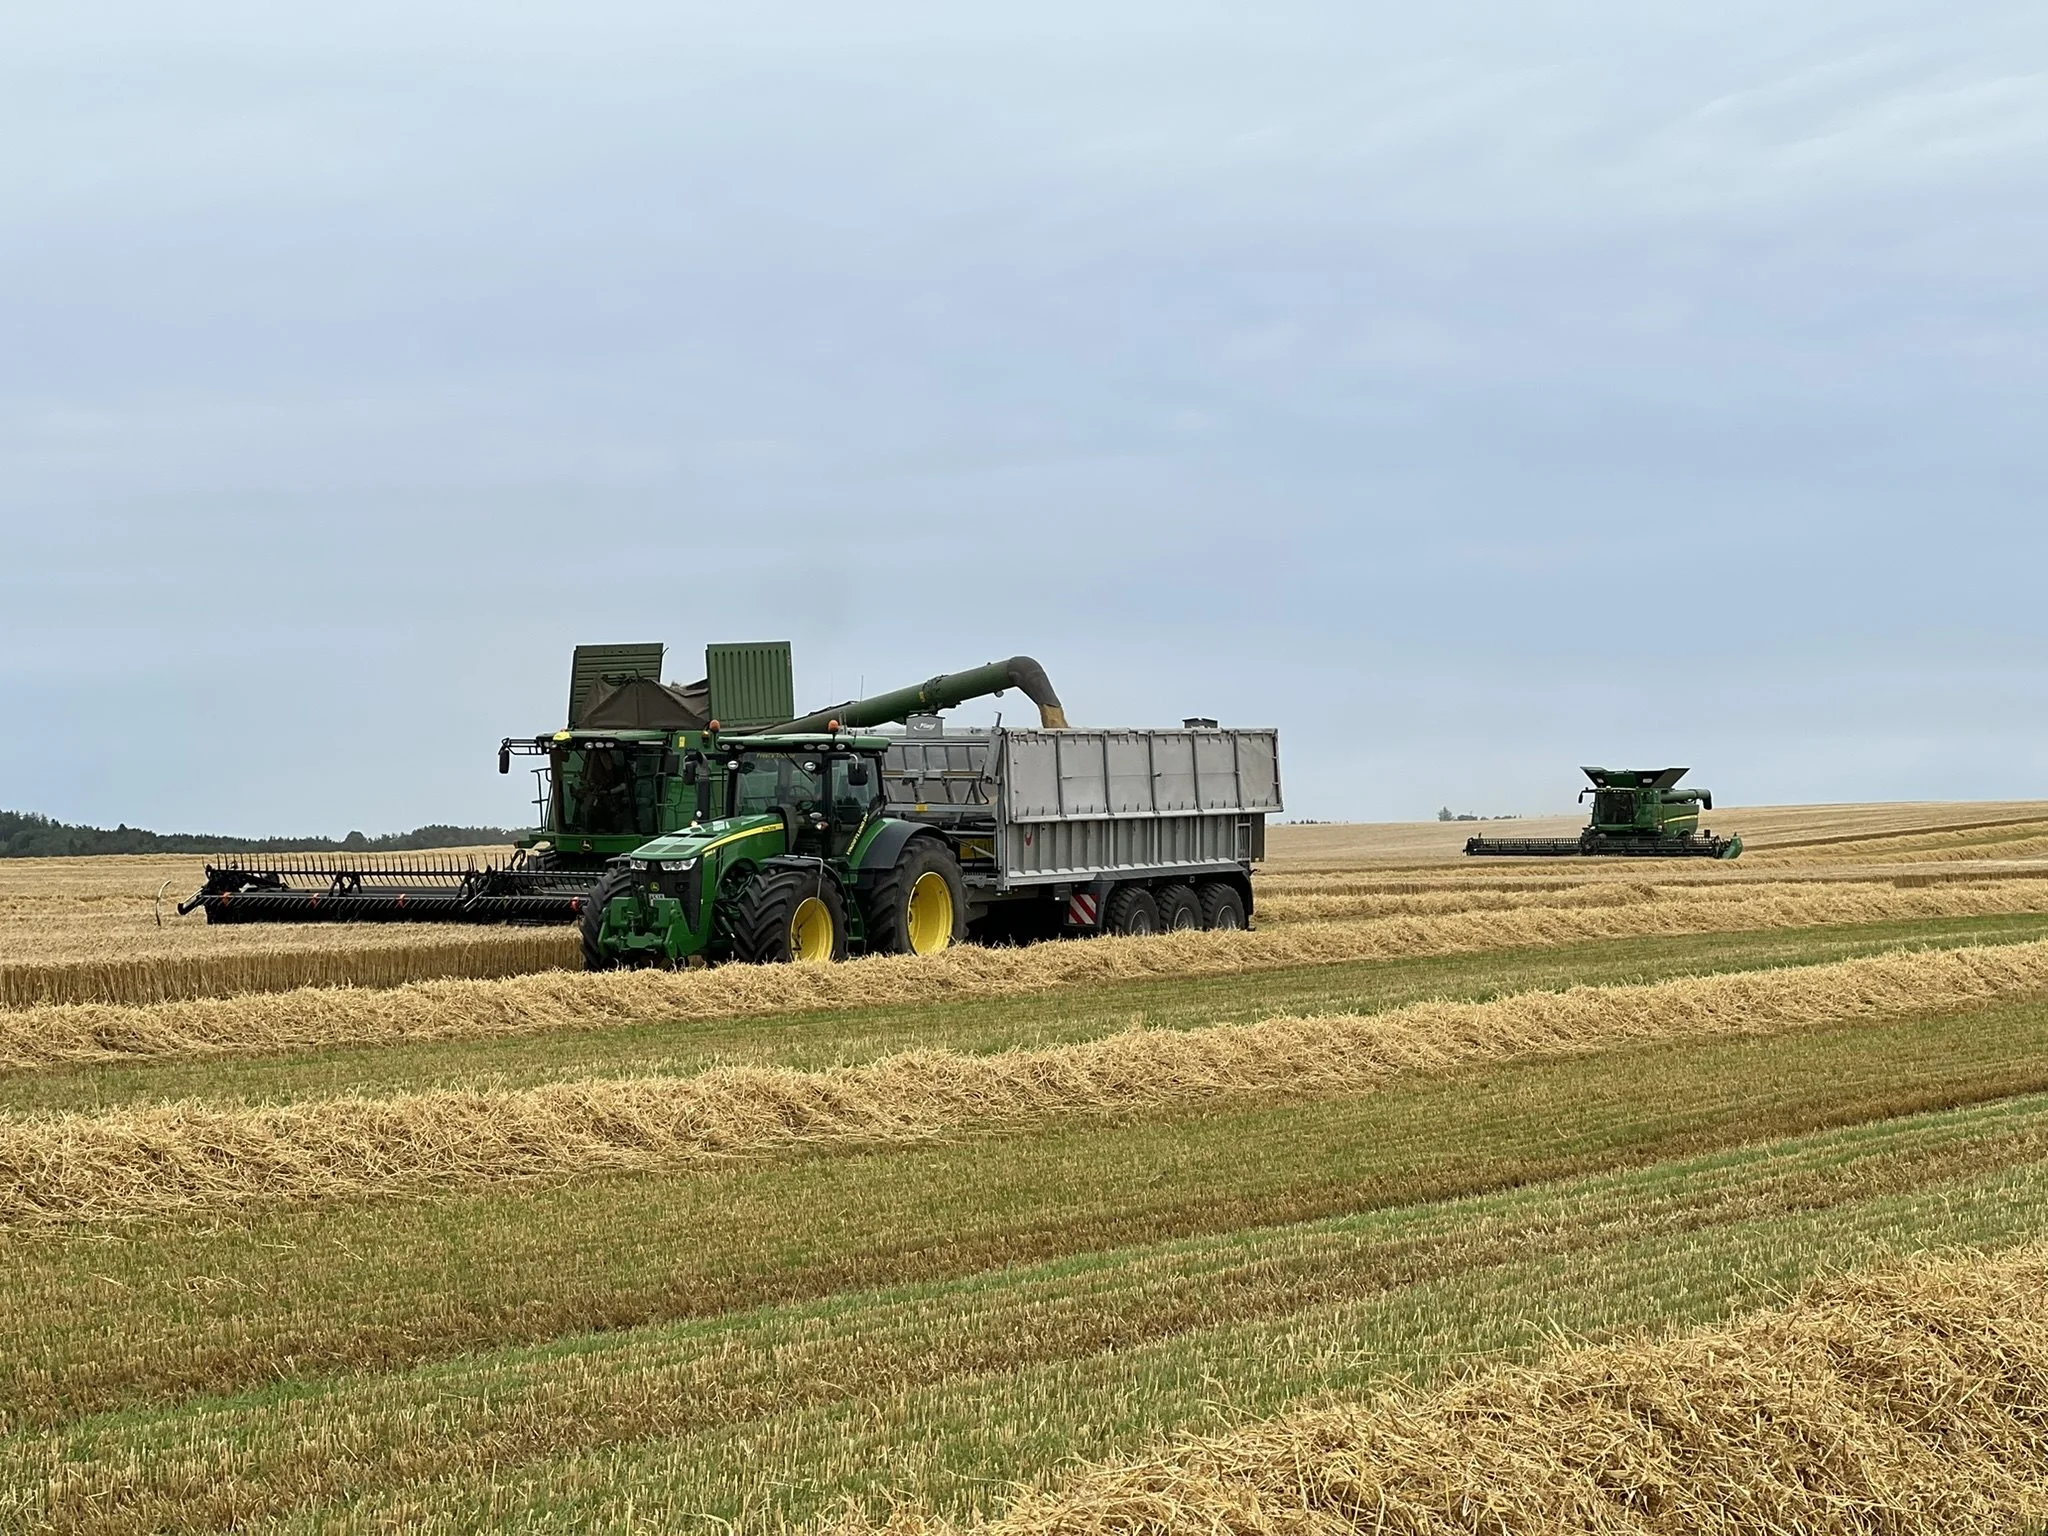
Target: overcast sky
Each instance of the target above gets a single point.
(1472, 391)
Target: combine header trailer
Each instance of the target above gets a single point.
(1637, 812)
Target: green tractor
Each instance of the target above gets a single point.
(791, 855)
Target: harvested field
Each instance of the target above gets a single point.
(1907, 1399)
(34, 1037)
(179, 1157)
(1819, 833)
(455, 1240)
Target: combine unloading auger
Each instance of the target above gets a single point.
(1637, 812)
(942, 692)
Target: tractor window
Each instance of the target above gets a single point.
(852, 802)
(768, 780)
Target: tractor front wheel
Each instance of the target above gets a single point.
(920, 906)
(789, 914)
(616, 882)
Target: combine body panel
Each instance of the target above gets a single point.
(1637, 813)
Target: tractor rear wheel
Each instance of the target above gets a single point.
(1222, 905)
(789, 914)
(616, 882)
(1179, 910)
(1131, 911)
(920, 906)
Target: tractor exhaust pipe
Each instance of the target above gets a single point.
(943, 692)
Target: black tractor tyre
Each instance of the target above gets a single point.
(616, 882)
(886, 906)
(1131, 912)
(765, 918)
(1222, 905)
(1180, 910)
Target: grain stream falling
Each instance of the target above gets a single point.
(189, 1157)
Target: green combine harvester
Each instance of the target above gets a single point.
(1637, 813)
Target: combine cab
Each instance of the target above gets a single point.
(1637, 812)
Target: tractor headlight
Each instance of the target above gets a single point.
(639, 866)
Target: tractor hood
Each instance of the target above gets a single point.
(696, 840)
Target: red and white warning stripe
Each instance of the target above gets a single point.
(1082, 911)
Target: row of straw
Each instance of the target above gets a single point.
(314, 1018)
(1911, 1399)
(188, 1156)
(342, 955)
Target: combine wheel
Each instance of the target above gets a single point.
(1222, 904)
(616, 882)
(1131, 911)
(920, 906)
(789, 914)
(1179, 909)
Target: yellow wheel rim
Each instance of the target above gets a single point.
(931, 914)
(810, 932)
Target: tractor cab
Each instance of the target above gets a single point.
(826, 788)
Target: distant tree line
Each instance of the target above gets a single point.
(24, 835)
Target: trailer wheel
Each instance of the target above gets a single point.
(616, 882)
(1131, 911)
(1179, 910)
(1222, 904)
(920, 906)
(789, 914)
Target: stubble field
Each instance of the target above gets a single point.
(1561, 1195)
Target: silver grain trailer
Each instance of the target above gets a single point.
(1081, 830)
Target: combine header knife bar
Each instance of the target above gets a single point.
(292, 888)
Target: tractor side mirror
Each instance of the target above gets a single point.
(856, 772)
(504, 759)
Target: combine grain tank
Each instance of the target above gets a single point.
(1637, 813)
